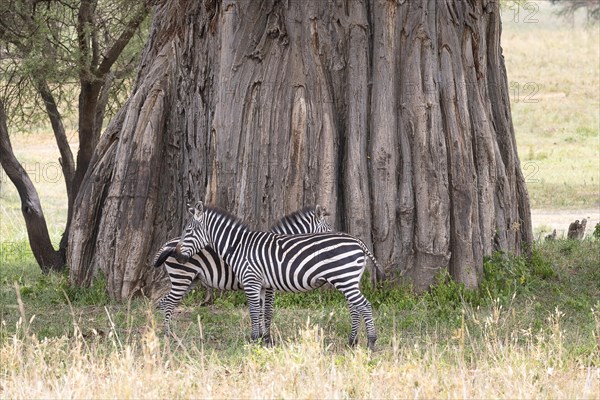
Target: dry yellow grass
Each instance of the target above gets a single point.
(522, 364)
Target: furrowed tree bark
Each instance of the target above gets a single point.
(393, 115)
(37, 230)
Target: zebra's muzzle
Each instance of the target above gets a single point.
(181, 258)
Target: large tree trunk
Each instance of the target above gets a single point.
(394, 115)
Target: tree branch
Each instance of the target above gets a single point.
(67, 163)
(84, 18)
(37, 229)
(115, 51)
(94, 38)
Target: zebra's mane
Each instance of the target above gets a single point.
(295, 216)
(219, 212)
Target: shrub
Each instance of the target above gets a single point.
(503, 275)
(541, 266)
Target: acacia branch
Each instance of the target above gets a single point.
(115, 51)
(67, 163)
(37, 230)
(84, 18)
(94, 38)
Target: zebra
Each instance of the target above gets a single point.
(207, 267)
(266, 261)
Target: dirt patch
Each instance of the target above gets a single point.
(546, 220)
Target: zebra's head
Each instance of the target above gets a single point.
(306, 220)
(195, 235)
(320, 222)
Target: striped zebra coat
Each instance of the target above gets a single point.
(213, 272)
(267, 261)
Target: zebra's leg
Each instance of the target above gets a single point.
(262, 309)
(360, 306)
(209, 296)
(355, 315)
(179, 287)
(367, 314)
(266, 340)
(253, 291)
(268, 314)
(167, 304)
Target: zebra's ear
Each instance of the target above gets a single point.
(318, 211)
(321, 212)
(198, 210)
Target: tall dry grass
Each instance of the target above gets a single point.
(495, 362)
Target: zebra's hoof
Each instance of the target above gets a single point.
(371, 343)
(353, 341)
(167, 333)
(256, 339)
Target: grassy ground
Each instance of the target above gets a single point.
(532, 331)
(554, 76)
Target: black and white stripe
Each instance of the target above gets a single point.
(266, 261)
(208, 268)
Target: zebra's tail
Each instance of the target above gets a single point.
(165, 252)
(378, 270)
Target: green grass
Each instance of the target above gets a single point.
(562, 275)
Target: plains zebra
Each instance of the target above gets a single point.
(207, 267)
(264, 260)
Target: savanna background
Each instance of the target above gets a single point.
(531, 330)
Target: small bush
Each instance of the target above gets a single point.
(503, 275)
(541, 266)
(447, 296)
(567, 247)
(313, 299)
(402, 297)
